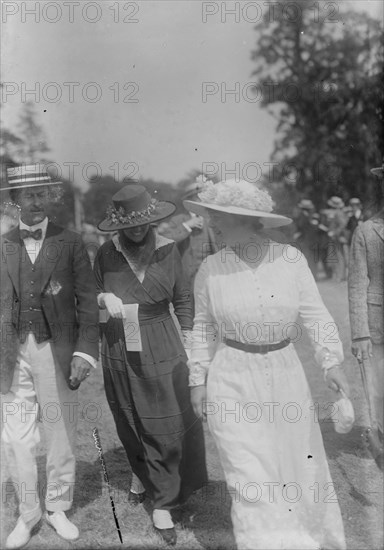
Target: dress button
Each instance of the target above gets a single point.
(30, 322)
(31, 308)
(31, 295)
(32, 282)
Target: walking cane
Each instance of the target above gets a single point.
(96, 437)
(371, 433)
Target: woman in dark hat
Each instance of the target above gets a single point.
(139, 274)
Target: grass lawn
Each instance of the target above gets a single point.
(204, 522)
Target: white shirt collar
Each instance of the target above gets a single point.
(42, 225)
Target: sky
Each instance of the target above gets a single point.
(119, 85)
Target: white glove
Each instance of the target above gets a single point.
(113, 305)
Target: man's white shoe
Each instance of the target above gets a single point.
(21, 534)
(63, 527)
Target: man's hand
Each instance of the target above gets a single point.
(362, 349)
(336, 380)
(114, 306)
(80, 370)
(198, 399)
(196, 222)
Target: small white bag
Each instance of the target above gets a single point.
(345, 416)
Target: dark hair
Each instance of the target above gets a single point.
(14, 193)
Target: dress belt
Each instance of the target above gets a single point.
(152, 313)
(257, 348)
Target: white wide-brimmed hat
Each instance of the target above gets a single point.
(237, 197)
(30, 175)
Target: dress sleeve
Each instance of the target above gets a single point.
(205, 330)
(358, 286)
(181, 293)
(321, 327)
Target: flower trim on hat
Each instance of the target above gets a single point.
(242, 194)
(115, 216)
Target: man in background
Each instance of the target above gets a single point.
(355, 218)
(365, 291)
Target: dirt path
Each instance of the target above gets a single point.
(204, 522)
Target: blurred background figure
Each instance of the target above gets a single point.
(92, 239)
(337, 232)
(192, 234)
(9, 217)
(307, 234)
(355, 217)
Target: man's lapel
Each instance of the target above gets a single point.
(50, 252)
(378, 226)
(12, 254)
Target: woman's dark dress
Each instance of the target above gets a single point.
(148, 391)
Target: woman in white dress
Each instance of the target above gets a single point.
(247, 380)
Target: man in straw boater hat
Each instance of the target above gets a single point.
(54, 314)
(365, 291)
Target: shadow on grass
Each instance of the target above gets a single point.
(90, 484)
(337, 444)
(207, 515)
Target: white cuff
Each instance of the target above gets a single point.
(197, 375)
(91, 360)
(187, 227)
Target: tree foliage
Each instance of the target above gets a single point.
(28, 145)
(320, 75)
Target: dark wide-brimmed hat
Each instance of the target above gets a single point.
(26, 176)
(134, 206)
(378, 171)
(237, 197)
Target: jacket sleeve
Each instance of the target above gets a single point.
(357, 286)
(98, 271)
(182, 301)
(86, 304)
(9, 342)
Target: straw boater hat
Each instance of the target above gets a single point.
(354, 200)
(134, 206)
(24, 176)
(238, 197)
(336, 202)
(378, 171)
(306, 204)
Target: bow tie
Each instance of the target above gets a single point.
(25, 234)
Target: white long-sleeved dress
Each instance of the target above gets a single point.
(259, 406)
